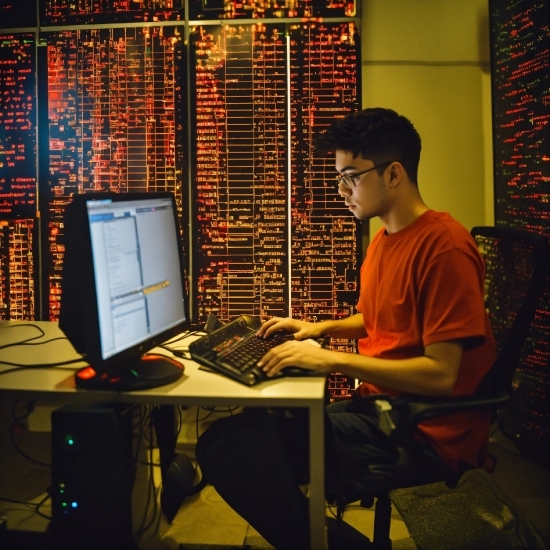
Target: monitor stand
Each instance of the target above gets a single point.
(148, 371)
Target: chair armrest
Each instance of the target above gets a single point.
(419, 411)
(398, 417)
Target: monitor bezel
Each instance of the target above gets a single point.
(79, 314)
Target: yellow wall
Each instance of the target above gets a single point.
(429, 60)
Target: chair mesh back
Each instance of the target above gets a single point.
(515, 274)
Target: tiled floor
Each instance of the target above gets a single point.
(525, 482)
(205, 520)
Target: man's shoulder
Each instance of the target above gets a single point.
(444, 219)
(438, 235)
(441, 226)
(431, 231)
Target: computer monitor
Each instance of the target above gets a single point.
(123, 288)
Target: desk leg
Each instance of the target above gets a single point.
(165, 428)
(317, 477)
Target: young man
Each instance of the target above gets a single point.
(421, 328)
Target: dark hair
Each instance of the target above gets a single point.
(377, 134)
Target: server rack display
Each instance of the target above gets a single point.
(520, 47)
(143, 95)
(17, 269)
(112, 117)
(18, 182)
(63, 12)
(269, 219)
(260, 9)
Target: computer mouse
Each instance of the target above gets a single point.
(296, 371)
(299, 371)
(291, 372)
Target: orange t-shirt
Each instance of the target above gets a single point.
(423, 285)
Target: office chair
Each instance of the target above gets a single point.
(516, 271)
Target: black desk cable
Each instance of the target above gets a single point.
(30, 342)
(17, 418)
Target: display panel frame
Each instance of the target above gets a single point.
(81, 301)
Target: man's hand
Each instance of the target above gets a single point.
(300, 329)
(296, 354)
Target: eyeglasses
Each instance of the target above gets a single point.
(349, 179)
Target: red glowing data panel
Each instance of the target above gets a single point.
(241, 207)
(258, 9)
(17, 270)
(520, 47)
(272, 236)
(521, 95)
(67, 12)
(17, 126)
(114, 104)
(323, 86)
(325, 247)
(17, 13)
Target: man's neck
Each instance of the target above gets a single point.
(401, 217)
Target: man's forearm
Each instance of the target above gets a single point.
(350, 327)
(434, 373)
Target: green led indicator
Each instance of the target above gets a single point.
(69, 440)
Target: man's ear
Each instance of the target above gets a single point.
(396, 173)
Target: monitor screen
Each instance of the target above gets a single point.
(123, 288)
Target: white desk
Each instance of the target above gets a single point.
(196, 387)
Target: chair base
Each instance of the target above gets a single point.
(345, 537)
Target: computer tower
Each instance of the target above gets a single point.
(92, 477)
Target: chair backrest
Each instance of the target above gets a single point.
(516, 274)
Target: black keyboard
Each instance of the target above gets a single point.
(247, 353)
(234, 351)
